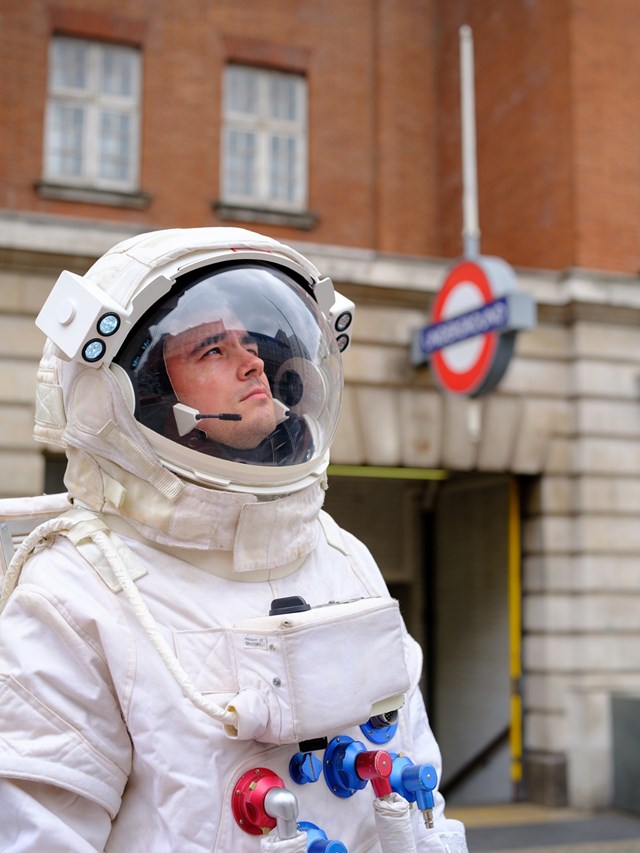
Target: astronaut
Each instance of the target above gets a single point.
(192, 615)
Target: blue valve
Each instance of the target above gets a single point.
(305, 767)
(415, 782)
(348, 766)
(340, 766)
(381, 727)
(317, 841)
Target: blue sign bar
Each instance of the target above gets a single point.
(488, 318)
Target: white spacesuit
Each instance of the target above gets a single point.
(194, 656)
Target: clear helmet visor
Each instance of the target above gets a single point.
(237, 363)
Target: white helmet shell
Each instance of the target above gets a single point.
(213, 288)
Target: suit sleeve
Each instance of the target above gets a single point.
(35, 817)
(65, 753)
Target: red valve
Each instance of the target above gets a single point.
(376, 766)
(248, 798)
(348, 766)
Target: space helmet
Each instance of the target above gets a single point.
(225, 346)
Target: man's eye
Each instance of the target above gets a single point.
(211, 351)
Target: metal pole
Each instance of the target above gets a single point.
(515, 636)
(470, 226)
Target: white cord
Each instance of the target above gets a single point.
(29, 544)
(64, 523)
(147, 621)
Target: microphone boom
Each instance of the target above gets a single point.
(224, 416)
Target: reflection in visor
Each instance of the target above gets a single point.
(243, 340)
(218, 367)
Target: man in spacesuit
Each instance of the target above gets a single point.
(173, 673)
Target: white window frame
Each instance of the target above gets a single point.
(92, 103)
(263, 128)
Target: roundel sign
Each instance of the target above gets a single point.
(474, 319)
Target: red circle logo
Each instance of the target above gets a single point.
(463, 366)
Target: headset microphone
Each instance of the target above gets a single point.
(224, 416)
(187, 418)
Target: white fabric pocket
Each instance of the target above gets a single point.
(207, 658)
(309, 674)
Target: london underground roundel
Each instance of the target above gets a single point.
(474, 319)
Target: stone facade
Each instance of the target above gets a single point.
(565, 420)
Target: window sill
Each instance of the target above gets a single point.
(91, 195)
(245, 213)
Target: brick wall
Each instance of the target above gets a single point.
(522, 87)
(606, 120)
(557, 127)
(371, 114)
(557, 118)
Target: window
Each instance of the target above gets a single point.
(264, 157)
(93, 115)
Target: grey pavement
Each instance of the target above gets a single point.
(524, 828)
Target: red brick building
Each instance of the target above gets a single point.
(336, 126)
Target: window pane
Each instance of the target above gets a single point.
(241, 90)
(69, 64)
(115, 145)
(91, 138)
(240, 163)
(66, 131)
(282, 173)
(116, 72)
(282, 97)
(265, 138)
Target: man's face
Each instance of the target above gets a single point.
(215, 369)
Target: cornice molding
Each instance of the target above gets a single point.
(371, 277)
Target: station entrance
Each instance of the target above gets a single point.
(445, 544)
